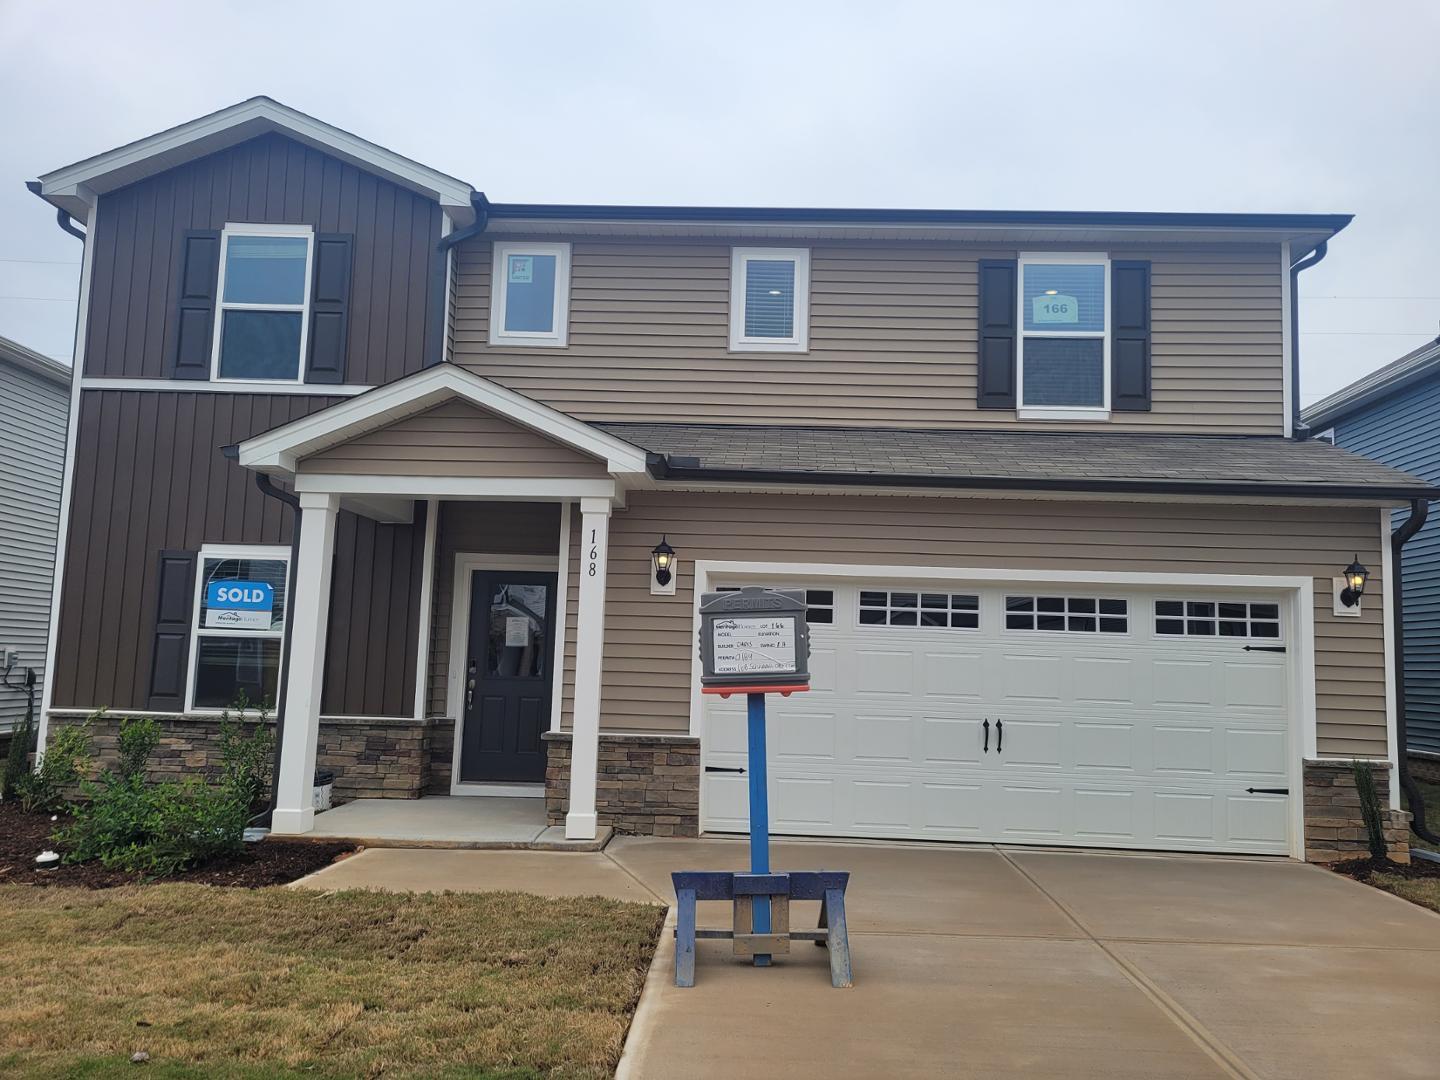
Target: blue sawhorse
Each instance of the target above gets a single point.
(747, 892)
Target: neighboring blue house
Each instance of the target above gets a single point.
(1393, 416)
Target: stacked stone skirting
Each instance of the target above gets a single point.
(372, 758)
(645, 784)
(1334, 826)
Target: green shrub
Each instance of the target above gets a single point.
(139, 735)
(65, 762)
(156, 829)
(1370, 808)
(246, 757)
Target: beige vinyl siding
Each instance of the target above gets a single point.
(455, 439)
(496, 528)
(892, 338)
(649, 641)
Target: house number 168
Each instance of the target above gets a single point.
(594, 554)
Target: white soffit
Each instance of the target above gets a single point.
(280, 450)
(74, 187)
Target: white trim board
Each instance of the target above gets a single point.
(466, 563)
(458, 487)
(279, 450)
(1392, 715)
(427, 608)
(1287, 342)
(230, 386)
(66, 187)
(1300, 595)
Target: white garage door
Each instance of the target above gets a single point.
(1025, 714)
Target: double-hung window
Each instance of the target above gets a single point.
(239, 625)
(769, 299)
(1064, 355)
(263, 318)
(530, 294)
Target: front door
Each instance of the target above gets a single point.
(507, 680)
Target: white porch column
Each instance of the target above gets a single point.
(309, 610)
(580, 823)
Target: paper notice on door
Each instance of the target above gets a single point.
(517, 631)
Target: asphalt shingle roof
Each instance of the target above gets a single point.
(1021, 459)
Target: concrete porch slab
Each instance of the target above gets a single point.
(450, 822)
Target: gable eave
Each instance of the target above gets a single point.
(74, 188)
(279, 451)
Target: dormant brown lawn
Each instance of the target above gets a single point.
(276, 982)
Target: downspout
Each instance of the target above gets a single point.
(1298, 430)
(62, 217)
(1419, 510)
(267, 487)
(482, 219)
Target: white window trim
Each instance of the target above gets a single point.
(1060, 412)
(558, 337)
(799, 341)
(278, 552)
(221, 306)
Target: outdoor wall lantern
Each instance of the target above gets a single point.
(662, 560)
(1355, 577)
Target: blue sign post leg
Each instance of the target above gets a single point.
(759, 814)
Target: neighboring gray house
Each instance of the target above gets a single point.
(34, 401)
(1393, 415)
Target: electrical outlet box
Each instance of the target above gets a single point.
(9, 656)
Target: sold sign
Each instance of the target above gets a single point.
(239, 605)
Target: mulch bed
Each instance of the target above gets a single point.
(273, 861)
(1361, 869)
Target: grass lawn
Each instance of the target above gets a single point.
(242, 983)
(1422, 891)
(1431, 791)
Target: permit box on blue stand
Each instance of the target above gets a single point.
(755, 641)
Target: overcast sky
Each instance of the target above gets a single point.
(1255, 106)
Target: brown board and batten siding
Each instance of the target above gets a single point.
(893, 338)
(495, 528)
(139, 236)
(650, 641)
(149, 477)
(455, 439)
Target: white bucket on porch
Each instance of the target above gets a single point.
(324, 786)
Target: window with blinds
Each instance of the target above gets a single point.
(769, 299)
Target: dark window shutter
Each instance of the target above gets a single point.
(329, 309)
(995, 387)
(1130, 336)
(169, 661)
(195, 319)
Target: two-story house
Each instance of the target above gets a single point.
(352, 438)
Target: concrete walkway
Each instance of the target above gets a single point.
(983, 962)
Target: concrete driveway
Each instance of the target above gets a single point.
(978, 961)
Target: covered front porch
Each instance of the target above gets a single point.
(506, 625)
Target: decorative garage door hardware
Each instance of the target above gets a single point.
(754, 641)
(999, 736)
(723, 768)
(1264, 648)
(1267, 791)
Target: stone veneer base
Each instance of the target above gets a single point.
(647, 785)
(372, 758)
(1334, 827)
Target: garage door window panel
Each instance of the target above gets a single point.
(932, 610)
(819, 603)
(1217, 618)
(1067, 614)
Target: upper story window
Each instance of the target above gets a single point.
(263, 317)
(530, 295)
(1064, 322)
(770, 299)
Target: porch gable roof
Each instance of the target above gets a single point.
(280, 450)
